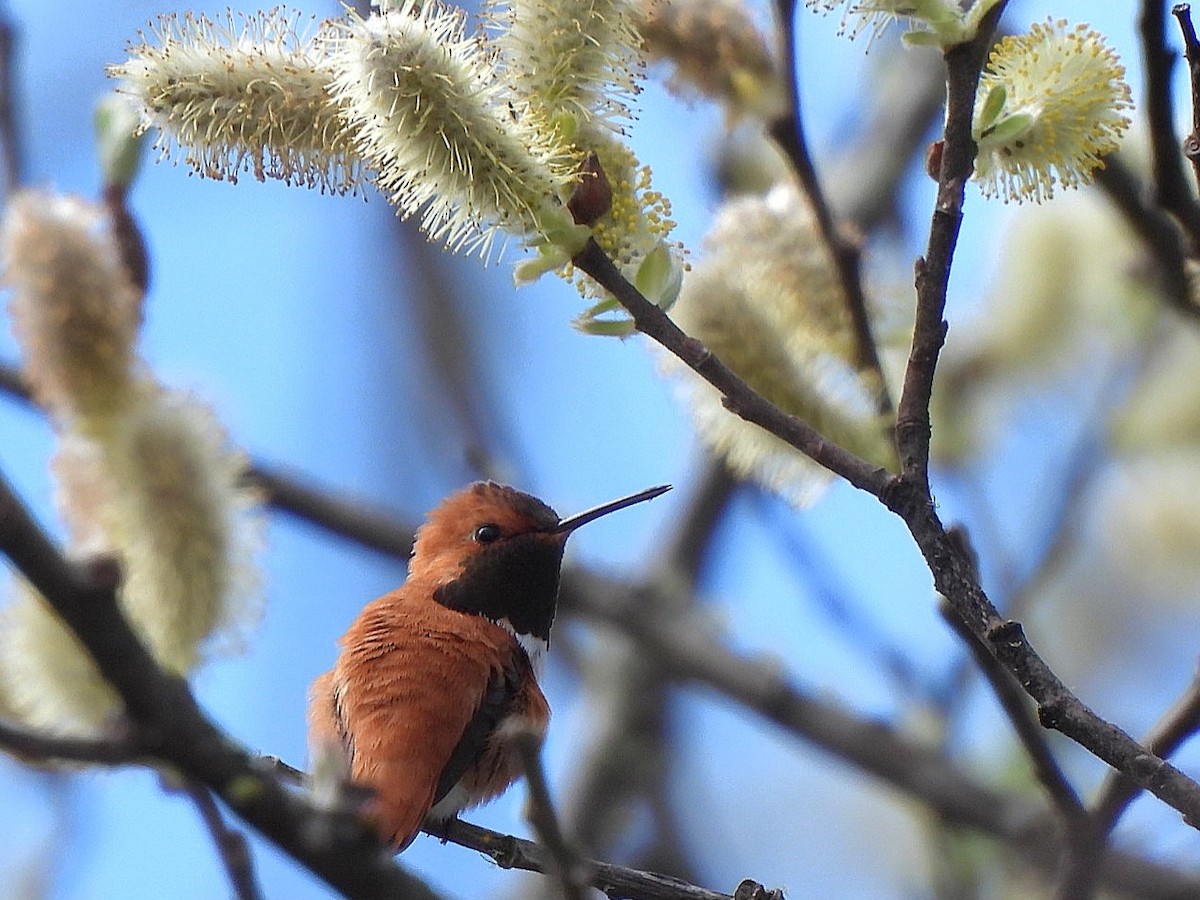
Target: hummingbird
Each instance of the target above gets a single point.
(431, 678)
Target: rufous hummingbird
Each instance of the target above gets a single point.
(432, 677)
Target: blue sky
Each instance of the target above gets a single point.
(284, 309)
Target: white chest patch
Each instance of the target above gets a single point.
(452, 804)
(534, 647)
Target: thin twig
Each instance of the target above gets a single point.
(117, 748)
(510, 852)
(1159, 233)
(1178, 724)
(231, 844)
(788, 132)
(516, 853)
(738, 396)
(1032, 736)
(566, 865)
(1171, 190)
(932, 271)
(1089, 846)
(11, 146)
(1191, 50)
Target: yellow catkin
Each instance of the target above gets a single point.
(1050, 106)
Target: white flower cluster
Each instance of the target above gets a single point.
(477, 132)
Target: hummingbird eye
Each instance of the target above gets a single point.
(487, 533)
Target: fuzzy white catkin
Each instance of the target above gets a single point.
(47, 680)
(766, 300)
(436, 128)
(160, 493)
(577, 58)
(574, 67)
(74, 307)
(144, 474)
(246, 93)
(179, 524)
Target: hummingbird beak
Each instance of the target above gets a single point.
(566, 526)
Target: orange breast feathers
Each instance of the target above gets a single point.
(418, 701)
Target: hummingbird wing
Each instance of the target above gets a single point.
(470, 747)
(407, 686)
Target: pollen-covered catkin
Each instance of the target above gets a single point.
(243, 93)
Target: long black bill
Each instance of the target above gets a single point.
(566, 526)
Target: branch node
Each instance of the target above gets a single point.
(1050, 715)
(749, 889)
(1006, 631)
(101, 573)
(1146, 766)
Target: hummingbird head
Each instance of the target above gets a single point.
(494, 551)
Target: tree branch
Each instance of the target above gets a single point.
(231, 845)
(568, 869)
(738, 396)
(1179, 201)
(1031, 735)
(788, 132)
(1090, 844)
(118, 748)
(172, 728)
(510, 852)
(1171, 190)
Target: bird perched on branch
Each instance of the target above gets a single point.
(433, 677)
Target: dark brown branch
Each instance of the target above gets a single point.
(788, 133)
(231, 845)
(123, 748)
(739, 397)
(1088, 850)
(568, 869)
(910, 496)
(172, 728)
(1171, 190)
(510, 852)
(1191, 50)
(1058, 708)
(118, 748)
(11, 146)
(1032, 736)
(963, 65)
(1181, 722)
(346, 517)
(1158, 232)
